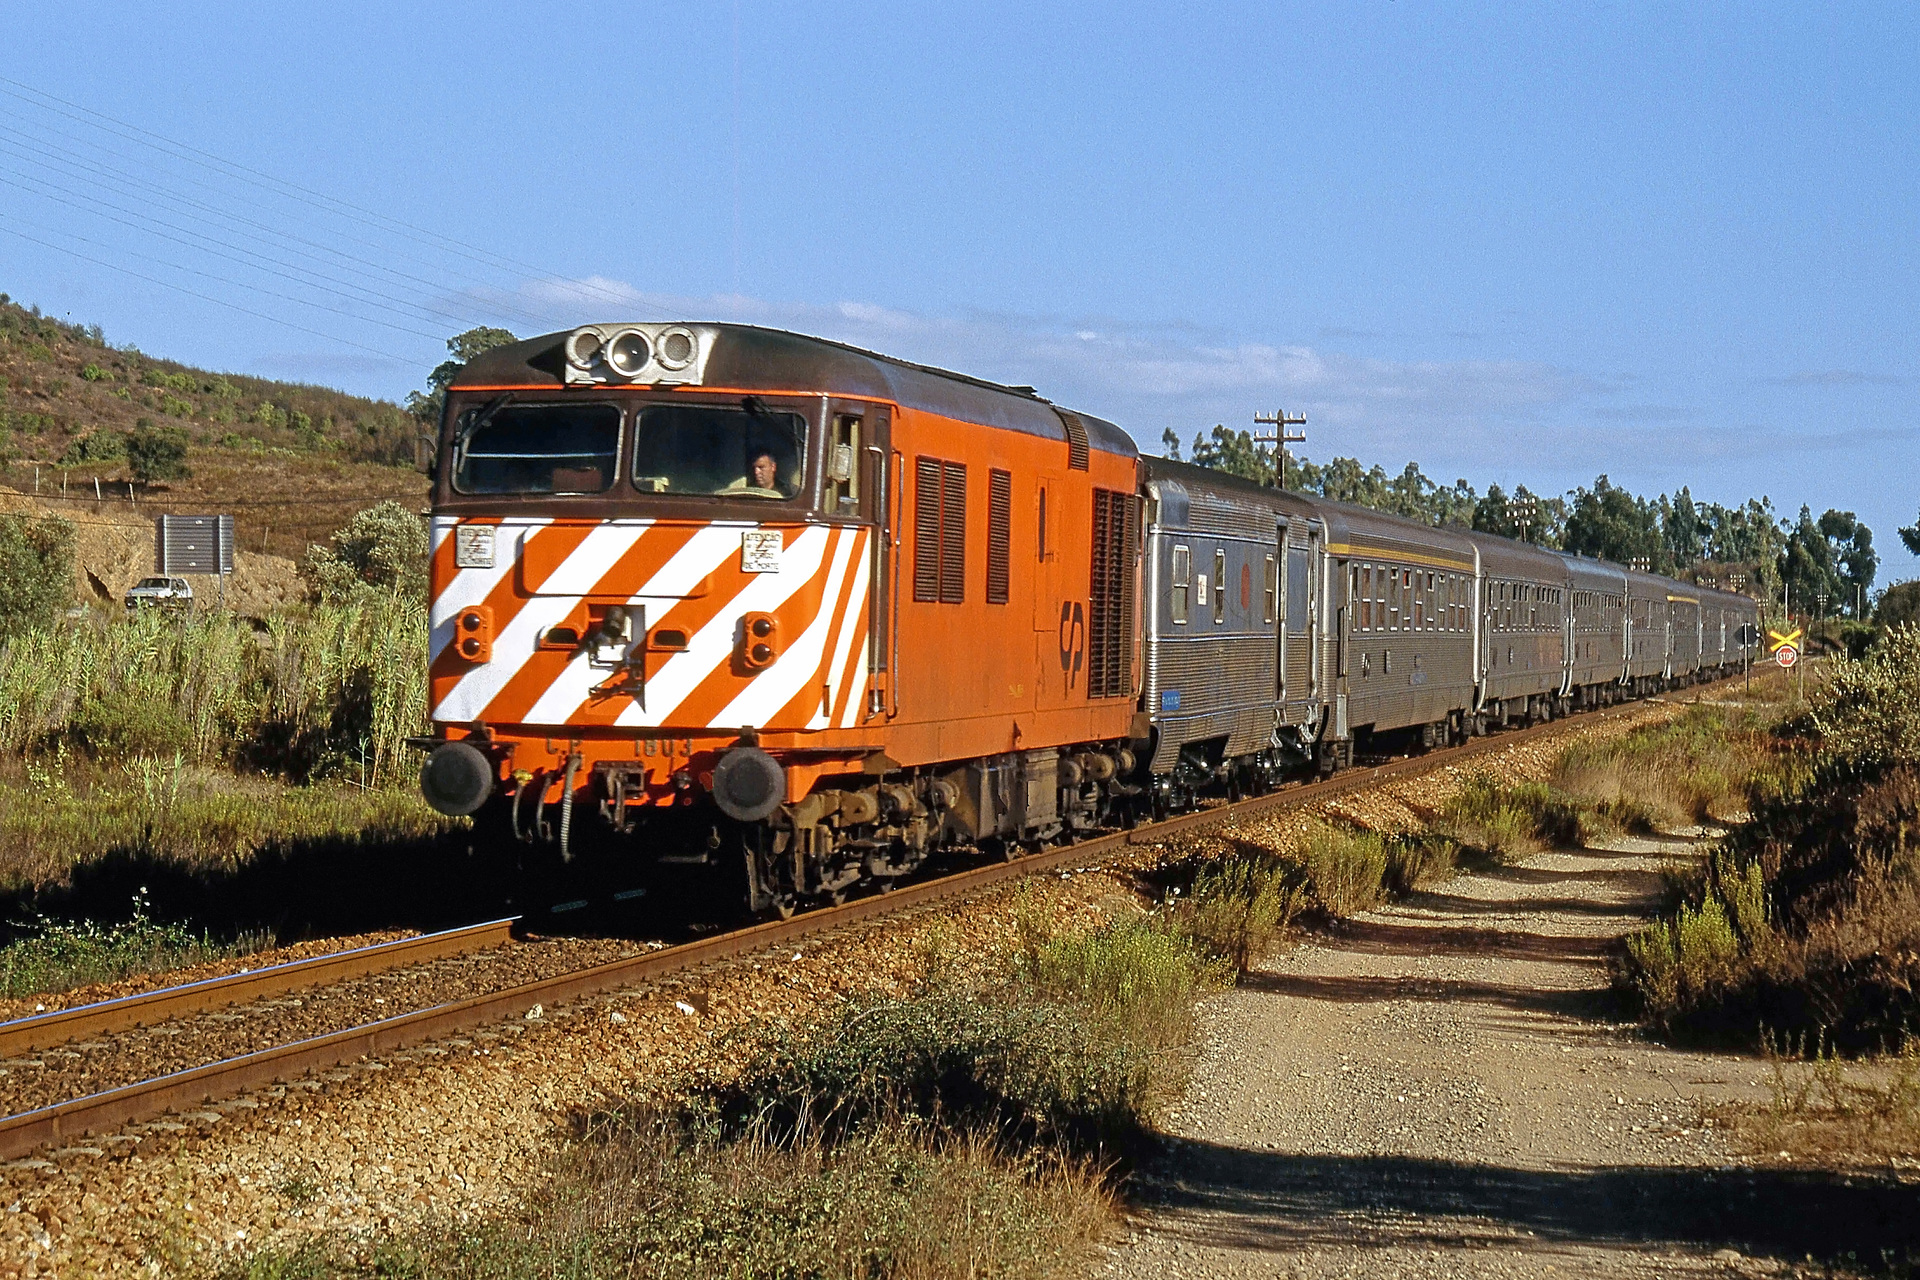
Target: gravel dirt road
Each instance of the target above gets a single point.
(1437, 1089)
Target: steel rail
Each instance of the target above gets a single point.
(104, 1112)
(44, 1030)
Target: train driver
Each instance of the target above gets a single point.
(762, 479)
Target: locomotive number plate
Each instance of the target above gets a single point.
(760, 551)
(473, 546)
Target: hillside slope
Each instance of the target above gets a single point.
(290, 462)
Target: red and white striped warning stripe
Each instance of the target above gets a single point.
(686, 577)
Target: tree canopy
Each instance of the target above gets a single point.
(462, 349)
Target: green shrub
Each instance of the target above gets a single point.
(95, 446)
(1820, 890)
(1028, 1074)
(381, 548)
(158, 453)
(1419, 859)
(117, 724)
(1346, 868)
(1237, 909)
(1140, 977)
(333, 690)
(36, 575)
(50, 956)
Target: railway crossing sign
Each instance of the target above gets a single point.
(1778, 641)
(1786, 655)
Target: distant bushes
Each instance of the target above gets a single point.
(1805, 925)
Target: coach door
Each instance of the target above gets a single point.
(1567, 641)
(1298, 662)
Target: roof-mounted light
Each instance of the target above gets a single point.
(676, 348)
(673, 355)
(583, 347)
(628, 352)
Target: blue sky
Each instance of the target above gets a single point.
(1518, 243)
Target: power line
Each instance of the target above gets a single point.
(47, 155)
(340, 208)
(270, 268)
(205, 297)
(238, 284)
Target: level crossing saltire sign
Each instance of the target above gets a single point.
(1786, 655)
(1776, 641)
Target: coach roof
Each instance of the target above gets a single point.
(750, 358)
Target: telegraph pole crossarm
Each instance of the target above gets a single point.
(1283, 437)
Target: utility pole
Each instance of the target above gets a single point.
(1522, 511)
(1284, 437)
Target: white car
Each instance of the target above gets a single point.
(163, 592)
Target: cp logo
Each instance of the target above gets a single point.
(1073, 640)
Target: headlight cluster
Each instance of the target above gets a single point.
(632, 353)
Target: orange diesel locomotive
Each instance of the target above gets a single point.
(833, 610)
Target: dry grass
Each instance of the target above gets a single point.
(639, 1198)
(1825, 1111)
(1705, 765)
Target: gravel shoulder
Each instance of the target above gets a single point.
(1437, 1088)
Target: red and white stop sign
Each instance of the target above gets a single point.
(1786, 655)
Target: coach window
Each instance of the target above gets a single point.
(1419, 602)
(1219, 585)
(1182, 577)
(1270, 607)
(1390, 597)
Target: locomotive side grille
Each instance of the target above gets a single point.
(999, 533)
(1110, 595)
(939, 531)
(926, 529)
(1076, 439)
(953, 534)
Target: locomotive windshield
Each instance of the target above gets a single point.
(538, 448)
(749, 452)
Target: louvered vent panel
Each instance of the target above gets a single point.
(1110, 596)
(1076, 439)
(926, 529)
(953, 535)
(999, 533)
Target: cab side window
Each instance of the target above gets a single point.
(843, 466)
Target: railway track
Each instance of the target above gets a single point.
(111, 1109)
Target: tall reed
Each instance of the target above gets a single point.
(332, 689)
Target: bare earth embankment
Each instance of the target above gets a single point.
(1438, 1089)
